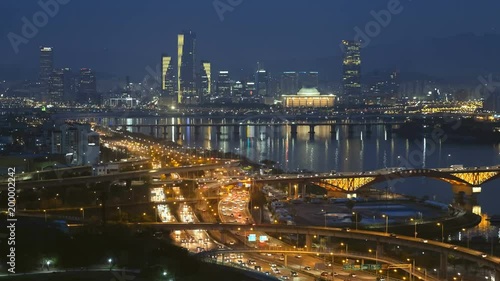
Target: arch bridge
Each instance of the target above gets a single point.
(466, 180)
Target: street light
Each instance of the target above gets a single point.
(412, 269)
(45, 214)
(119, 213)
(442, 231)
(468, 236)
(83, 213)
(414, 220)
(110, 262)
(386, 223)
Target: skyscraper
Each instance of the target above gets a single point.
(261, 82)
(167, 76)
(87, 87)
(46, 67)
(56, 86)
(289, 83)
(205, 88)
(186, 73)
(352, 68)
(224, 84)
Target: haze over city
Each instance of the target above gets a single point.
(249, 140)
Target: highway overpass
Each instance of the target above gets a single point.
(351, 255)
(120, 176)
(379, 237)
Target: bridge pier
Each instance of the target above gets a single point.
(197, 130)
(333, 130)
(350, 131)
(218, 129)
(311, 130)
(289, 189)
(309, 239)
(236, 129)
(368, 130)
(165, 132)
(178, 131)
(380, 249)
(443, 266)
(151, 131)
(461, 189)
(293, 130)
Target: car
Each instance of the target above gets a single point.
(454, 247)
(329, 264)
(346, 229)
(324, 273)
(424, 240)
(282, 258)
(298, 256)
(284, 277)
(352, 275)
(335, 274)
(307, 268)
(393, 235)
(267, 273)
(258, 268)
(294, 274)
(484, 255)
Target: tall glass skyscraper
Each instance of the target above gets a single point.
(46, 67)
(186, 72)
(87, 87)
(205, 88)
(167, 76)
(352, 68)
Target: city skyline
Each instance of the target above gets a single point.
(217, 43)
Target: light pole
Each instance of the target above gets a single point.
(412, 269)
(415, 220)
(83, 214)
(442, 231)
(110, 262)
(386, 223)
(119, 213)
(156, 214)
(45, 215)
(468, 236)
(356, 218)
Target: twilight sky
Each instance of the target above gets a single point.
(124, 36)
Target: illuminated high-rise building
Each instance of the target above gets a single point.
(46, 67)
(56, 86)
(352, 68)
(87, 87)
(261, 82)
(186, 73)
(167, 76)
(205, 88)
(224, 84)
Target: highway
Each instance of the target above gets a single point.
(433, 246)
(120, 176)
